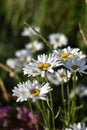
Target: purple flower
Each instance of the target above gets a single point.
(25, 115)
(4, 115)
(22, 113)
(4, 111)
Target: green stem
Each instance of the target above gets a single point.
(62, 93)
(42, 112)
(45, 112)
(53, 117)
(32, 114)
(51, 105)
(63, 101)
(68, 104)
(74, 100)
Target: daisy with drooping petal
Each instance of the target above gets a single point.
(28, 31)
(52, 78)
(34, 46)
(32, 90)
(76, 65)
(66, 53)
(78, 126)
(58, 40)
(41, 65)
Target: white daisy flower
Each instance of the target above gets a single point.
(61, 75)
(11, 62)
(31, 90)
(58, 40)
(69, 53)
(34, 46)
(15, 64)
(66, 53)
(28, 31)
(80, 91)
(81, 55)
(41, 65)
(76, 65)
(21, 91)
(24, 55)
(78, 126)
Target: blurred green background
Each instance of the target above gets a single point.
(50, 15)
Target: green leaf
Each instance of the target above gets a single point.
(58, 112)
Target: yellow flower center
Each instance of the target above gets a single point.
(35, 92)
(25, 59)
(75, 67)
(23, 92)
(43, 65)
(62, 75)
(35, 71)
(33, 49)
(57, 40)
(64, 55)
(73, 57)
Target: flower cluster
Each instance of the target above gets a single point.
(79, 126)
(4, 116)
(60, 66)
(23, 56)
(22, 120)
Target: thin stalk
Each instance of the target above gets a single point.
(46, 120)
(42, 112)
(68, 100)
(68, 104)
(63, 100)
(4, 91)
(32, 114)
(51, 105)
(7, 69)
(38, 34)
(74, 100)
(44, 115)
(83, 34)
(53, 117)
